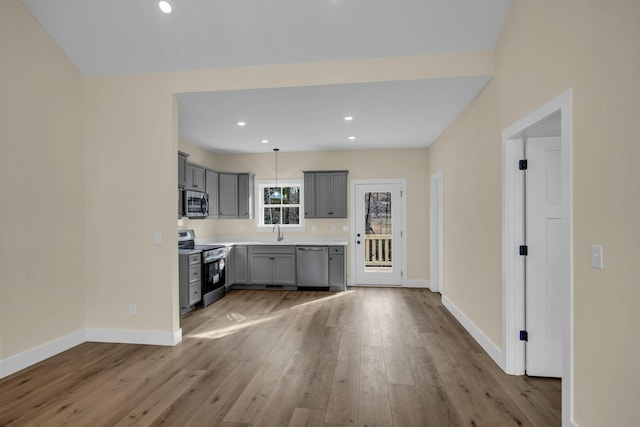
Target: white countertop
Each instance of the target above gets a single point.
(272, 240)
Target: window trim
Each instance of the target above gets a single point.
(259, 205)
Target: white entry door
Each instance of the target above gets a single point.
(545, 258)
(378, 234)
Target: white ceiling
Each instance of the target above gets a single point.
(398, 114)
(133, 36)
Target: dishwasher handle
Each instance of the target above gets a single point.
(313, 249)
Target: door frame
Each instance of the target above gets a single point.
(513, 298)
(437, 232)
(403, 225)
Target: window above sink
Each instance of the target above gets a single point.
(282, 205)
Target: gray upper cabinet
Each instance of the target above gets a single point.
(236, 195)
(182, 169)
(195, 177)
(228, 195)
(309, 195)
(245, 195)
(327, 193)
(211, 185)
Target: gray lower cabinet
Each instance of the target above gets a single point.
(337, 273)
(272, 265)
(261, 269)
(327, 193)
(189, 281)
(237, 266)
(211, 185)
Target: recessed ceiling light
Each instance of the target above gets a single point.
(241, 123)
(348, 118)
(265, 141)
(165, 6)
(352, 138)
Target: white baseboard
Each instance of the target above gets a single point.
(417, 283)
(409, 283)
(492, 350)
(125, 336)
(37, 354)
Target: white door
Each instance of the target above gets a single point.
(545, 258)
(378, 228)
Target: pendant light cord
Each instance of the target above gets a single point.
(276, 151)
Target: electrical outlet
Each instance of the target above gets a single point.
(314, 228)
(333, 228)
(345, 228)
(596, 256)
(133, 309)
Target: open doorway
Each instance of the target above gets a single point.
(437, 232)
(533, 285)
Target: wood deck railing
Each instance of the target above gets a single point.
(377, 250)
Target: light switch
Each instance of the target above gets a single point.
(157, 237)
(596, 256)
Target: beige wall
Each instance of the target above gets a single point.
(42, 187)
(131, 145)
(545, 48)
(408, 164)
(106, 196)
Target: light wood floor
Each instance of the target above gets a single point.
(365, 357)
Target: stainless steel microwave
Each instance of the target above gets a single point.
(196, 204)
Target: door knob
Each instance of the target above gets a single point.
(358, 241)
(358, 234)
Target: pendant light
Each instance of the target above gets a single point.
(276, 194)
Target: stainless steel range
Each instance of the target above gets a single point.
(213, 266)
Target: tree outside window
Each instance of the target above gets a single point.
(280, 205)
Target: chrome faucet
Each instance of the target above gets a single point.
(280, 236)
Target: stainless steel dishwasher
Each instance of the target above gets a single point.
(312, 266)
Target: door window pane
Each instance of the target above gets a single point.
(378, 255)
